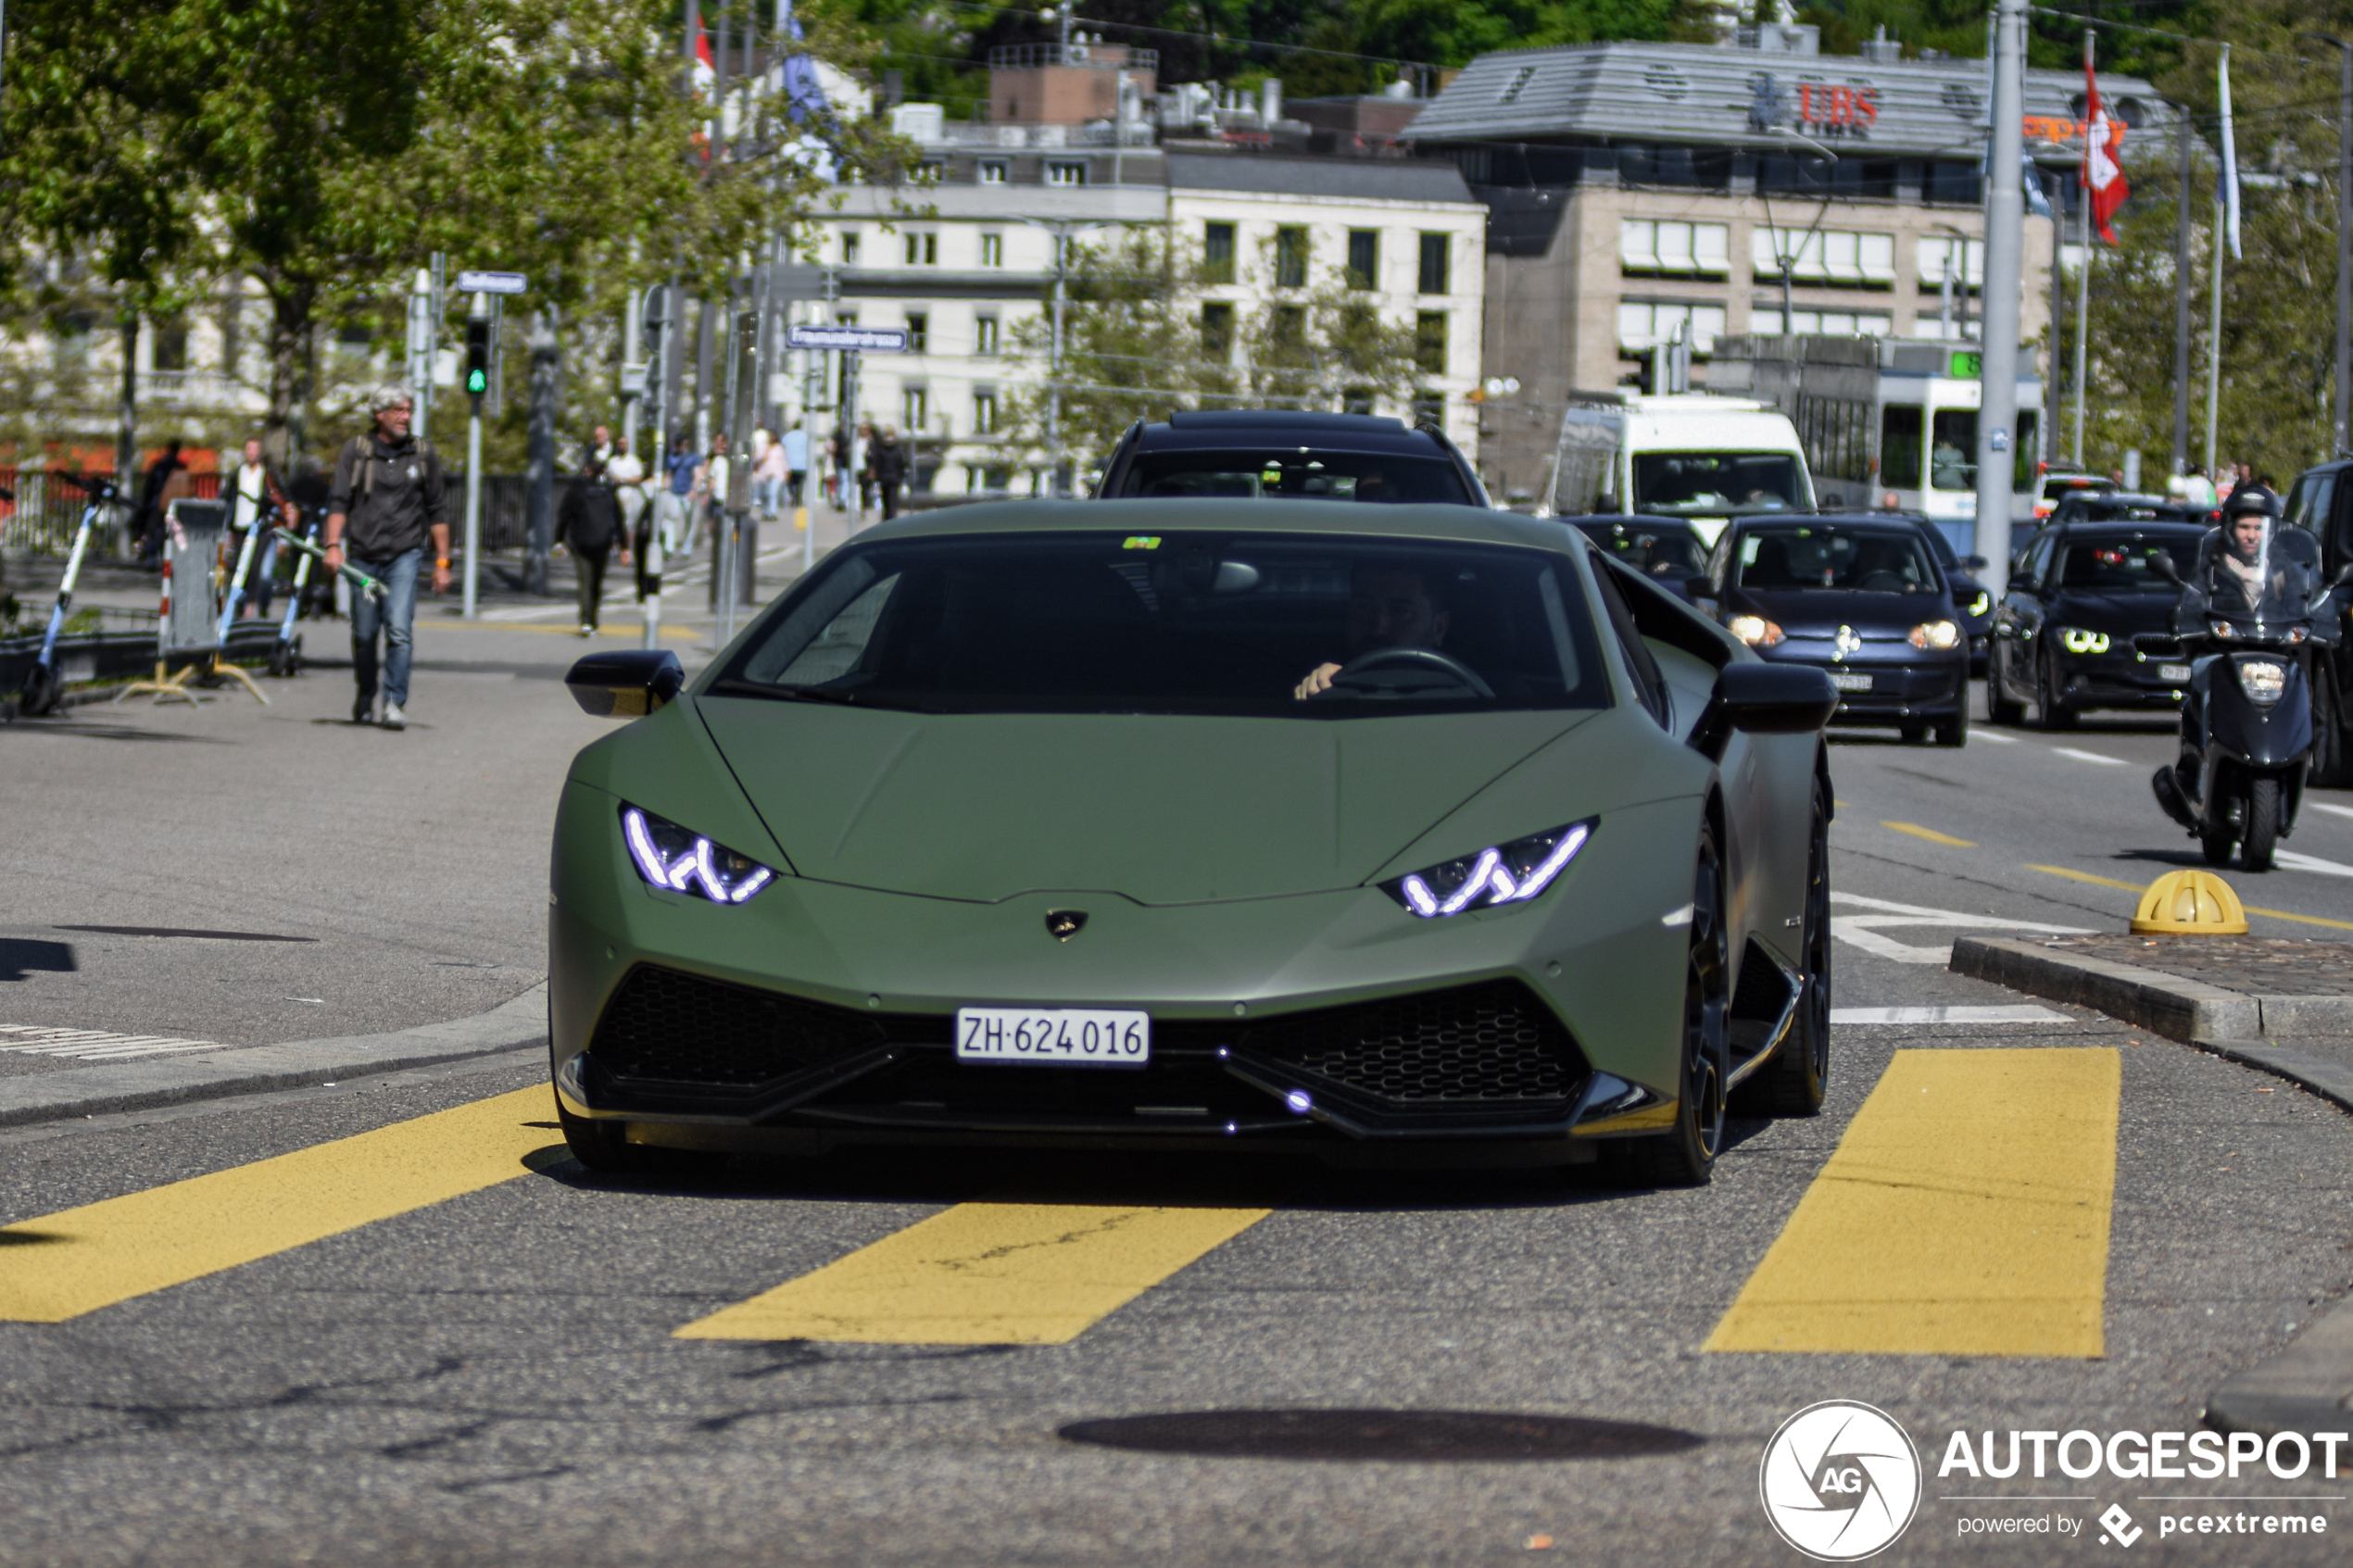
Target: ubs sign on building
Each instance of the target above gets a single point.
(1639, 190)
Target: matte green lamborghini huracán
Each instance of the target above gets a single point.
(1374, 833)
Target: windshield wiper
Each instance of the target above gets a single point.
(782, 693)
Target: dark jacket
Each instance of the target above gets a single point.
(887, 463)
(589, 519)
(389, 492)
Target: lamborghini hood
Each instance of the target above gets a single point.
(1160, 809)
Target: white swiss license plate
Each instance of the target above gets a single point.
(2172, 671)
(1850, 681)
(1054, 1036)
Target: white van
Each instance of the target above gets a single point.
(1703, 458)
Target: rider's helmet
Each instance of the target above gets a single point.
(2252, 499)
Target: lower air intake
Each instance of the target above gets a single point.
(1470, 1046)
(665, 1027)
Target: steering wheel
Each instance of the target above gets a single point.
(1428, 659)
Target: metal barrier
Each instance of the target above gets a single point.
(43, 517)
(189, 629)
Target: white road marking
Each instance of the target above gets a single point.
(1861, 930)
(1948, 1015)
(1976, 736)
(2088, 756)
(2296, 862)
(92, 1044)
(2330, 809)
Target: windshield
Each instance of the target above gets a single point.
(1670, 554)
(1181, 622)
(2254, 569)
(2118, 563)
(1869, 560)
(2107, 508)
(1718, 484)
(1297, 474)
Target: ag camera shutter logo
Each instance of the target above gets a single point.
(1840, 1481)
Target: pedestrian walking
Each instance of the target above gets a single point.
(626, 474)
(768, 479)
(837, 470)
(861, 458)
(599, 453)
(796, 445)
(147, 521)
(677, 521)
(886, 467)
(588, 524)
(257, 499)
(388, 492)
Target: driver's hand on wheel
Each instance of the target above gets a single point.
(1318, 680)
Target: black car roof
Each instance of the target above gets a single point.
(1615, 520)
(1213, 429)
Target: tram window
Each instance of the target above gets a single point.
(1952, 445)
(1899, 446)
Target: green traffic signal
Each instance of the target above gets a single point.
(477, 382)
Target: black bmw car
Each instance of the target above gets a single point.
(2086, 623)
(1666, 549)
(1861, 596)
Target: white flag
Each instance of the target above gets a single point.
(2230, 192)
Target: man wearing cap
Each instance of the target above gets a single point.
(388, 492)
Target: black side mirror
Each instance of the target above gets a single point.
(1973, 563)
(626, 685)
(1764, 699)
(2165, 566)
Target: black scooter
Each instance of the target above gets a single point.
(2247, 723)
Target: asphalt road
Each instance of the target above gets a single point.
(493, 1372)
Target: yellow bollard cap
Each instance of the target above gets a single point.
(2190, 903)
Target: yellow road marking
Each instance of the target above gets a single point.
(1965, 1212)
(985, 1273)
(2136, 887)
(1931, 835)
(78, 1261)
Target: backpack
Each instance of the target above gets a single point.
(361, 449)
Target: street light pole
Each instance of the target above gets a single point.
(2005, 225)
(478, 311)
(1054, 364)
(2182, 302)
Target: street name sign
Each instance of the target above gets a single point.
(863, 340)
(492, 283)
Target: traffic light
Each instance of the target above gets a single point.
(477, 354)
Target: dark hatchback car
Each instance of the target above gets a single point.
(1860, 597)
(2087, 624)
(1972, 602)
(1666, 550)
(1279, 454)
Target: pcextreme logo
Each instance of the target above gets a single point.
(1840, 1481)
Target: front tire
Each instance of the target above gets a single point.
(2055, 713)
(2262, 834)
(1686, 1156)
(601, 1145)
(1794, 1081)
(2000, 706)
(1955, 730)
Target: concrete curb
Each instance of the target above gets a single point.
(2332, 1081)
(2180, 1010)
(135, 1085)
(2307, 1387)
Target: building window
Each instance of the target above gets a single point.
(1845, 260)
(1828, 323)
(918, 332)
(992, 250)
(1643, 326)
(1356, 400)
(1436, 271)
(1429, 408)
(1218, 252)
(1364, 258)
(1291, 258)
(915, 409)
(352, 344)
(984, 334)
(983, 413)
(1217, 332)
(1429, 342)
(992, 171)
(1959, 260)
(1953, 184)
(1679, 250)
(848, 248)
(922, 250)
(169, 351)
(1065, 174)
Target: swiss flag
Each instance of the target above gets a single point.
(2103, 178)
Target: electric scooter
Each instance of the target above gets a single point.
(45, 686)
(286, 659)
(2246, 722)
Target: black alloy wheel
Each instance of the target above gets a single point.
(1686, 1156)
(1793, 1083)
(2262, 837)
(2000, 706)
(2055, 712)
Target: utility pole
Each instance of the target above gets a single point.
(658, 311)
(2214, 321)
(477, 384)
(2005, 224)
(2052, 399)
(1054, 381)
(419, 350)
(539, 458)
(126, 408)
(439, 274)
(2083, 288)
(2182, 297)
(2343, 421)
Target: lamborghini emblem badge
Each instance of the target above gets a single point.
(1063, 924)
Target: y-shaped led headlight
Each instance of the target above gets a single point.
(1507, 873)
(685, 861)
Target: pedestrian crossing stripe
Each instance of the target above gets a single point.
(92, 1044)
(78, 1261)
(1965, 1212)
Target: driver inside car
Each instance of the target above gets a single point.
(1387, 607)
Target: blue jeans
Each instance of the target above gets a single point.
(397, 616)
